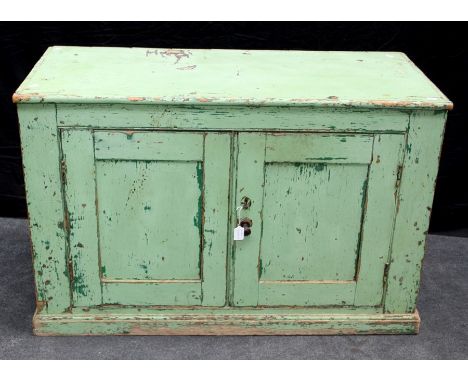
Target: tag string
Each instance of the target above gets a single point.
(238, 210)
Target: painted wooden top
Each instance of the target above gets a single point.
(235, 77)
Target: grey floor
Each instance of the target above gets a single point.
(443, 306)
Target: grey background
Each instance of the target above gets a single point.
(443, 306)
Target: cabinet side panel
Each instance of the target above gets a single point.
(41, 161)
(414, 205)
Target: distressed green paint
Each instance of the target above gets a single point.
(298, 293)
(174, 293)
(148, 146)
(132, 187)
(158, 222)
(193, 77)
(318, 148)
(243, 322)
(378, 218)
(232, 221)
(41, 161)
(143, 235)
(230, 118)
(215, 225)
(80, 201)
(418, 178)
(198, 217)
(218, 311)
(249, 182)
(311, 221)
(320, 221)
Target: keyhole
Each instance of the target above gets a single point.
(246, 202)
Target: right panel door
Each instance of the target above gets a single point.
(322, 211)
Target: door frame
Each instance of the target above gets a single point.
(384, 163)
(81, 203)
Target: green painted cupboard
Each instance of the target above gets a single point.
(141, 165)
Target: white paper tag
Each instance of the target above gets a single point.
(239, 233)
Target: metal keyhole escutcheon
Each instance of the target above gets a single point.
(246, 203)
(246, 223)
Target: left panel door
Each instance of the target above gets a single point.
(148, 215)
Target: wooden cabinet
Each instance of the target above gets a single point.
(139, 164)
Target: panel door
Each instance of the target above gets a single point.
(322, 211)
(148, 216)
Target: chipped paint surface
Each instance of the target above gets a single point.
(199, 322)
(132, 205)
(157, 234)
(178, 54)
(136, 99)
(150, 279)
(207, 118)
(309, 202)
(189, 67)
(219, 77)
(417, 183)
(327, 210)
(143, 235)
(47, 220)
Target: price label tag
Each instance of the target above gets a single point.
(239, 233)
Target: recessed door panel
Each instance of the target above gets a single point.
(311, 220)
(150, 222)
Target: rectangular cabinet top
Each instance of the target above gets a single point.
(229, 77)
